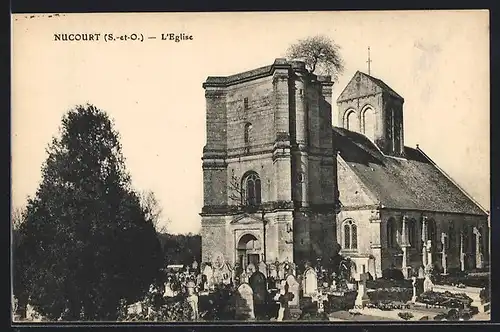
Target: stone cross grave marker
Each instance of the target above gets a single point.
(293, 287)
(320, 299)
(310, 282)
(362, 297)
(479, 254)
(244, 302)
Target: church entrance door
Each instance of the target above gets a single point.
(248, 250)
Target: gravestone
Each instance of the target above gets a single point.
(262, 267)
(283, 298)
(250, 269)
(226, 272)
(168, 289)
(192, 299)
(244, 278)
(293, 287)
(209, 272)
(259, 288)
(362, 297)
(429, 253)
(421, 273)
(428, 284)
(289, 268)
(444, 254)
(273, 272)
(281, 271)
(244, 302)
(310, 282)
(414, 288)
(236, 272)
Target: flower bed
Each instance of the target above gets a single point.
(445, 299)
(387, 305)
(396, 294)
(314, 316)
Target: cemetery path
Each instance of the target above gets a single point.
(346, 316)
(482, 316)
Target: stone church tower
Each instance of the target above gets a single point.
(269, 170)
(370, 107)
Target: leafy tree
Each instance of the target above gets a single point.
(87, 242)
(180, 248)
(320, 53)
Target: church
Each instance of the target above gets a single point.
(280, 184)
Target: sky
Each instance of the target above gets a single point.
(437, 60)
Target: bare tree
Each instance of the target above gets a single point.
(320, 53)
(153, 210)
(235, 189)
(17, 217)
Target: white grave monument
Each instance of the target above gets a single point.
(310, 282)
(362, 297)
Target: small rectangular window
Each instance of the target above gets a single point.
(245, 103)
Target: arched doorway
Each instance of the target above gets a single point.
(248, 249)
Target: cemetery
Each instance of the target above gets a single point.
(285, 292)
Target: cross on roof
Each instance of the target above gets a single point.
(369, 61)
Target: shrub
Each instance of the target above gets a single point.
(388, 283)
(220, 305)
(405, 315)
(485, 294)
(393, 274)
(455, 314)
(337, 303)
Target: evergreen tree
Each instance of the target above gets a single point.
(87, 241)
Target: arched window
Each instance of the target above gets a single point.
(391, 233)
(452, 239)
(431, 231)
(412, 233)
(351, 121)
(251, 189)
(369, 123)
(248, 127)
(350, 235)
